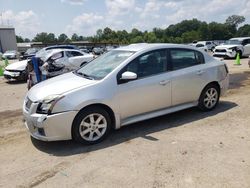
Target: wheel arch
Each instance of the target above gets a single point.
(105, 107)
(212, 83)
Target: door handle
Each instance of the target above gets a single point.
(200, 72)
(164, 82)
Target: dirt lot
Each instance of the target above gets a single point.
(184, 149)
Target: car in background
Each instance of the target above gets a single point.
(202, 47)
(11, 54)
(71, 58)
(232, 47)
(121, 87)
(98, 50)
(56, 62)
(42, 52)
(16, 71)
(31, 52)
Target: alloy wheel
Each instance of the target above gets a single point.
(210, 98)
(93, 127)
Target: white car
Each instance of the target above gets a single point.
(16, 71)
(11, 54)
(202, 47)
(233, 47)
(71, 58)
(121, 87)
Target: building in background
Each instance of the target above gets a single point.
(7, 38)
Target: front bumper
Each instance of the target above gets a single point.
(228, 53)
(48, 127)
(12, 74)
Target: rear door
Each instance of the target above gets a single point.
(188, 75)
(75, 59)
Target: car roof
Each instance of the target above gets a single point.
(54, 51)
(61, 46)
(240, 38)
(147, 46)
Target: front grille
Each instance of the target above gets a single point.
(28, 103)
(220, 50)
(11, 70)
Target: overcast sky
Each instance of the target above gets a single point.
(84, 17)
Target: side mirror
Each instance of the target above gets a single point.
(127, 76)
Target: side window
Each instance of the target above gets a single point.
(69, 54)
(244, 42)
(57, 56)
(74, 53)
(148, 64)
(183, 58)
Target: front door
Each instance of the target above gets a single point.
(150, 91)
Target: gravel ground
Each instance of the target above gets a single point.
(184, 149)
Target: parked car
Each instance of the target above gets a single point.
(202, 47)
(209, 44)
(232, 47)
(121, 87)
(16, 71)
(31, 52)
(98, 50)
(11, 54)
(56, 62)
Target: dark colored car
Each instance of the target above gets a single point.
(29, 53)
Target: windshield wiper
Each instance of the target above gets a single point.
(85, 75)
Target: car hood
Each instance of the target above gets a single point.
(57, 85)
(20, 65)
(8, 54)
(226, 46)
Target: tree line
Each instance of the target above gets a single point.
(185, 31)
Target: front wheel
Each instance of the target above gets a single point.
(91, 125)
(209, 97)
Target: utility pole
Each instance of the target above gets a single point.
(1, 18)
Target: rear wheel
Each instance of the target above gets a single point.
(209, 97)
(91, 125)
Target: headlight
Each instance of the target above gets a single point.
(47, 104)
(233, 48)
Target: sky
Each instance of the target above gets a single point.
(85, 17)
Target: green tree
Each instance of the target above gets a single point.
(63, 38)
(19, 39)
(190, 36)
(75, 37)
(244, 31)
(26, 40)
(45, 38)
(235, 20)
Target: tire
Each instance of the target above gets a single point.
(209, 97)
(91, 125)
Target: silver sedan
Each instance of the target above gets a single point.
(123, 86)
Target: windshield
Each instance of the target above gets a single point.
(31, 51)
(104, 64)
(233, 42)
